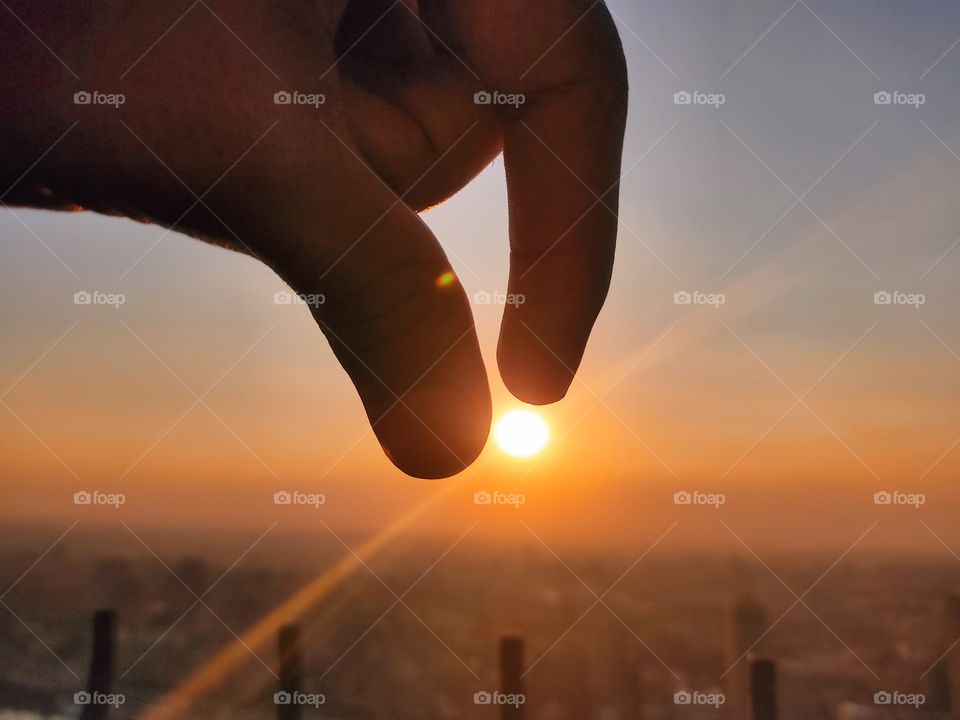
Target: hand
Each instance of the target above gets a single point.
(327, 194)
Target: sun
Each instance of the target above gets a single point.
(521, 433)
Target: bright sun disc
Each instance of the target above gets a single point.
(521, 433)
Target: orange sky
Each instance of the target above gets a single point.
(699, 392)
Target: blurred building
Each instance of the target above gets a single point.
(746, 625)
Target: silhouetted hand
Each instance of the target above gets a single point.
(384, 119)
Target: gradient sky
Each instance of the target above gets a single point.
(702, 396)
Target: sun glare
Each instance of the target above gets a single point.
(521, 433)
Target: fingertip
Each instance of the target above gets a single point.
(544, 334)
(437, 432)
(529, 371)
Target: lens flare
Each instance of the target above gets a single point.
(445, 280)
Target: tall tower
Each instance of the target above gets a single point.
(102, 664)
(511, 675)
(290, 655)
(939, 689)
(746, 626)
(944, 677)
(762, 703)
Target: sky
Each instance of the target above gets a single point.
(789, 203)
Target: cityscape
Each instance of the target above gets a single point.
(425, 630)
(479, 360)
